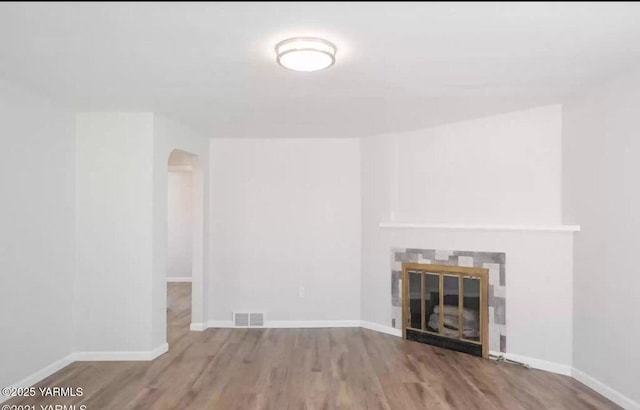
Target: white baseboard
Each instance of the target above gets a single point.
(121, 356)
(305, 324)
(287, 324)
(380, 328)
(539, 364)
(196, 327)
(611, 394)
(41, 374)
(87, 356)
(179, 280)
(219, 323)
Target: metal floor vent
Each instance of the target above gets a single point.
(247, 319)
(256, 319)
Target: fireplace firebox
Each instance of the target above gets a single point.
(446, 306)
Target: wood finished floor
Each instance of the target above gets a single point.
(347, 368)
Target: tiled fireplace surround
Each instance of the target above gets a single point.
(493, 261)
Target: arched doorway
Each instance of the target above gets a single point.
(184, 251)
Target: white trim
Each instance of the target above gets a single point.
(86, 356)
(302, 324)
(121, 356)
(539, 364)
(41, 374)
(196, 327)
(219, 323)
(380, 328)
(532, 228)
(287, 324)
(179, 280)
(611, 394)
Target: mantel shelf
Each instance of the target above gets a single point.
(533, 228)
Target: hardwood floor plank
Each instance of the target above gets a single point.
(340, 368)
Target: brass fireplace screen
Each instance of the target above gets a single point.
(446, 306)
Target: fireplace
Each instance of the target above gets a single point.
(446, 306)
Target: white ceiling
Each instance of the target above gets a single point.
(400, 66)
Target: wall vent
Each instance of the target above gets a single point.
(247, 319)
(240, 319)
(256, 319)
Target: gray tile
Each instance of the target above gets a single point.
(486, 257)
(481, 257)
(395, 289)
(496, 257)
(491, 296)
(429, 254)
(413, 250)
(406, 257)
(499, 311)
(464, 253)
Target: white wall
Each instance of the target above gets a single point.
(114, 228)
(285, 213)
(37, 234)
(518, 182)
(601, 145)
(122, 225)
(503, 169)
(180, 210)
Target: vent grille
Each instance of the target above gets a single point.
(256, 319)
(240, 319)
(247, 319)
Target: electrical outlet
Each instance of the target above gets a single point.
(301, 291)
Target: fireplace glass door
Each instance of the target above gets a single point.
(471, 308)
(446, 306)
(415, 299)
(432, 301)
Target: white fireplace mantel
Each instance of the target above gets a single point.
(521, 228)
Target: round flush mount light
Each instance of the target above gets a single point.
(306, 53)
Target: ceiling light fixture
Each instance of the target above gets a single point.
(306, 53)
